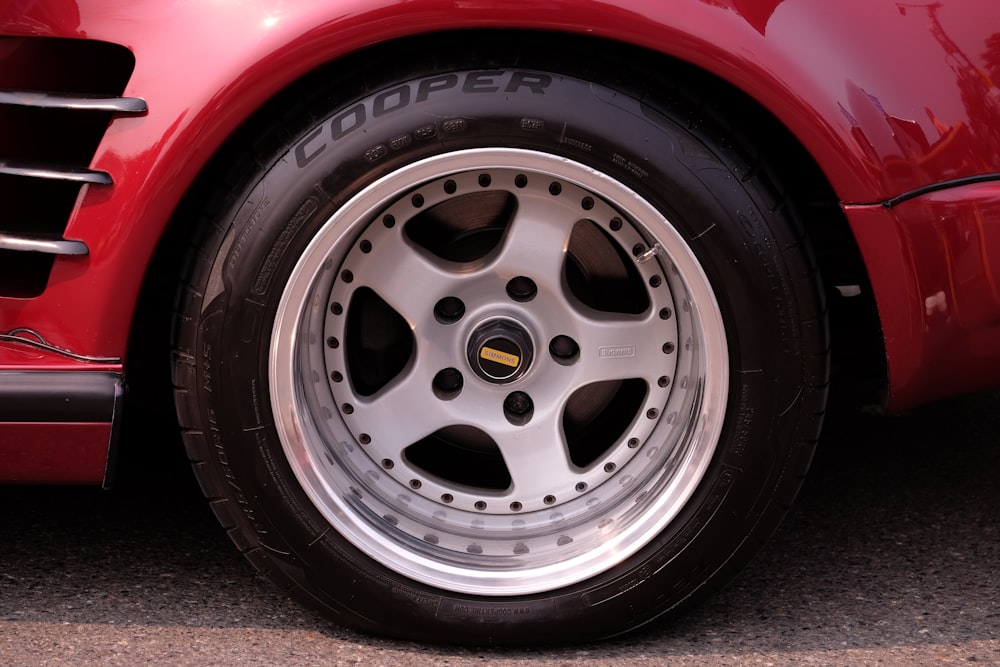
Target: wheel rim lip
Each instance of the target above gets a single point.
(404, 554)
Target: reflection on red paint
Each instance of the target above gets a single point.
(756, 13)
(966, 146)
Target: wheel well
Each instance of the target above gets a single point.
(858, 353)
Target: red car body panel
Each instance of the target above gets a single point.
(934, 263)
(61, 453)
(896, 102)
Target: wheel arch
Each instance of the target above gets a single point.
(858, 352)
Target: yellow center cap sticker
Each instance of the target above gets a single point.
(491, 354)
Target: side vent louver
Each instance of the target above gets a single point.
(57, 97)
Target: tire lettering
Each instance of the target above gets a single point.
(453, 126)
(337, 128)
(744, 429)
(303, 155)
(266, 272)
(248, 229)
(376, 153)
(384, 102)
(255, 402)
(387, 584)
(490, 611)
(425, 132)
(481, 82)
(435, 84)
(536, 83)
(206, 367)
(630, 166)
(576, 143)
(406, 95)
(400, 142)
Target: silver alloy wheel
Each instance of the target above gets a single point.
(498, 372)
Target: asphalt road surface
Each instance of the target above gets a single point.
(890, 557)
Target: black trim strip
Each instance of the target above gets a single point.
(56, 173)
(59, 396)
(25, 98)
(47, 246)
(944, 185)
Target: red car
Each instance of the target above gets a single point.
(505, 322)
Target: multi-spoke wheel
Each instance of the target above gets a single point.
(489, 361)
(515, 360)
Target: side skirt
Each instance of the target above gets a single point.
(59, 427)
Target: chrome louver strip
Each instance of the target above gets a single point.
(47, 246)
(58, 98)
(71, 174)
(122, 105)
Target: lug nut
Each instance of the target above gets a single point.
(448, 384)
(449, 310)
(522, 289)
(564, 350)
(518, 408)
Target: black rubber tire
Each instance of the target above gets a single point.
(664, 144)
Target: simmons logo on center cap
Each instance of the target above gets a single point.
(500, 357)
(500, 351)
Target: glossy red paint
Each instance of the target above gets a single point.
(880, 116)
(934, 263)
(64, 453)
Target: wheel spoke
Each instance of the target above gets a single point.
(619, 347)
(536, 241)
(536, 457)
(401, 413)
(408, 280)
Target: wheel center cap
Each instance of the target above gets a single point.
(500, 351)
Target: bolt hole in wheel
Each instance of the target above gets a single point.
(428, 302)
